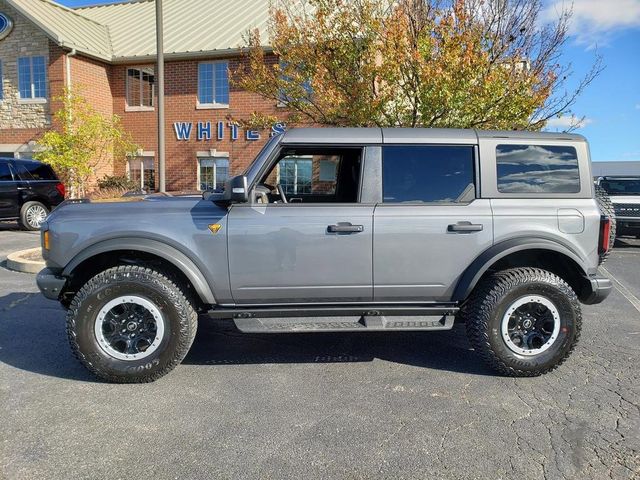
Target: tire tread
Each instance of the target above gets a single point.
(187, 318)
(478, 308)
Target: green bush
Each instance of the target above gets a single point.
(113, 182)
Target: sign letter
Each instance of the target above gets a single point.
(183, 130)
(204, 131)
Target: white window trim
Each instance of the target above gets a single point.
(33, 98)
(213, 153)
(214, 105)
(138, 108)
(141, 158)
(1, 81)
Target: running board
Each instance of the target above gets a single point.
(342, 324)
(338, 318)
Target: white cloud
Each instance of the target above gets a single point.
(566, 121)
(593, 21)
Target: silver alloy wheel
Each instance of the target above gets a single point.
(530, 325)
(35, 215)
(129, 328)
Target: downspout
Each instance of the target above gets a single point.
(67, 64)
(68, 84)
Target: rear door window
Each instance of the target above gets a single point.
(537, 169)
(5, 172)
(36, 171)
(428, 174)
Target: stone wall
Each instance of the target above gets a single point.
(25, 40)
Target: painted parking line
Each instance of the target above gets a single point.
(626, 293)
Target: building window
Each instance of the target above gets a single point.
(32, 78)
(142, 171)
(213, 84)
(141, 84)
(295, 174)
(213, 172)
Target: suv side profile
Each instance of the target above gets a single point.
(344, 230)
(29, 190)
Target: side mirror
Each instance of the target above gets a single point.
(236, 190)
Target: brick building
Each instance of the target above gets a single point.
(107, 53)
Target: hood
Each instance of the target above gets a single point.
(135, 211)
(625, 198)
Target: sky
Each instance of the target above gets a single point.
(611, 104)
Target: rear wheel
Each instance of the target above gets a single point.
(131, 324)
(523, 322)
(32, 214)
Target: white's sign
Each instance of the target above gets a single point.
(205, 131)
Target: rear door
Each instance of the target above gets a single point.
(9, 205)
(430, 226)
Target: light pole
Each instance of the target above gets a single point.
(160, 81)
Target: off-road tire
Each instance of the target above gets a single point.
(606, 207)
(180, 323)
(24, 220)
(485, 308)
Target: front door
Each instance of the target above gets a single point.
(430, 226)
(306, 238)
(9, 205)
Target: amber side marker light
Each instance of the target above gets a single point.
(215, 227)
(45, 239)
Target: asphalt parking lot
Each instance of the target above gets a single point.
(409, 405)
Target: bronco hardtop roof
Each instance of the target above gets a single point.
(351, 135)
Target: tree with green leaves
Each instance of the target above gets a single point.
(488, 64)
(82, 142)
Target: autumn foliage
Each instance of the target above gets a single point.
(463, 64)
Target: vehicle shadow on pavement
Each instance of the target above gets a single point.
(217, 344)
(9, 226)
(33, 338)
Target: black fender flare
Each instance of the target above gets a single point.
(154, 247)
(481, 264)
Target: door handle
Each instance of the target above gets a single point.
(345, 227)
(465, 227)
(21, 188)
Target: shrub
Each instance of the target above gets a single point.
(113, 182)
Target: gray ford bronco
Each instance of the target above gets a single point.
(334, 230)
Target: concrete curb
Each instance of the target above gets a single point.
(17, 261)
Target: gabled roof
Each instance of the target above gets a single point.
(190, 26)
(125, 32)
(66, 27)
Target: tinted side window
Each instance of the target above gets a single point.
(537, 169)
(40, 171)
(5, 173)
(427, 174)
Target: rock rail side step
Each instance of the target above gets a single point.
(344, 324)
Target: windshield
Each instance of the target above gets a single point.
(254, 167)
(621, 186)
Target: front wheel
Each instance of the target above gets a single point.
(523, 322)
(131, 324)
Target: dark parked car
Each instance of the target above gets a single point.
(29, 190)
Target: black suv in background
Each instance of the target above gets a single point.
(28, 191)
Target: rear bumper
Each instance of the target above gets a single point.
(50, 284)
(600, 289)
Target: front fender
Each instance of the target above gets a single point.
(154, 247)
